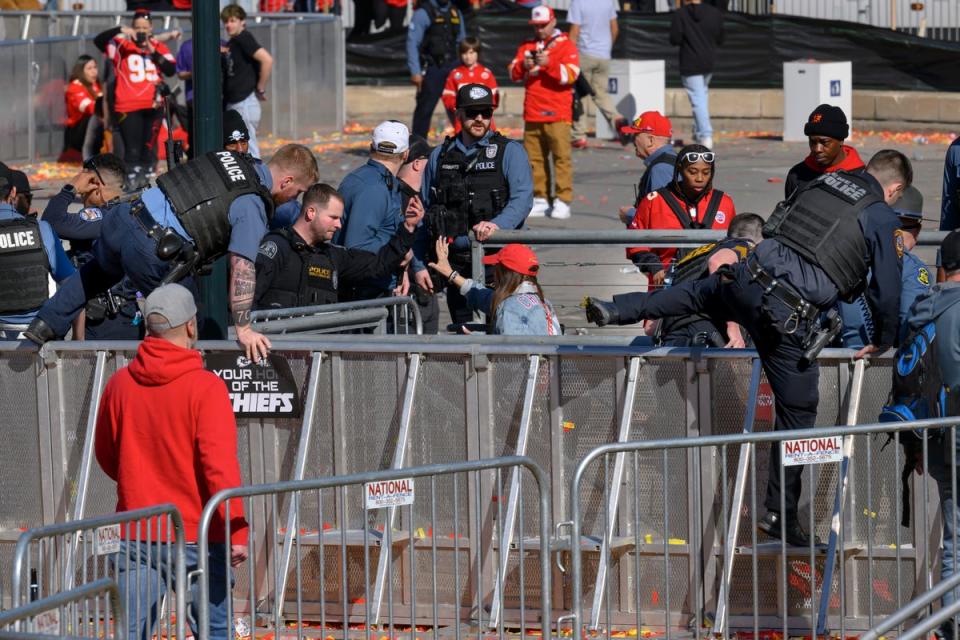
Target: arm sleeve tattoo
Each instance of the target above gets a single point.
(243, 276)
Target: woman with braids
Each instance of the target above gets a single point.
(689, 202)
(515, 306)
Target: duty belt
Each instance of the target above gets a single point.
(799, 307)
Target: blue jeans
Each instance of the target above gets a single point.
(698, 88)
(142, 577)
(249, 110)
(939, 464)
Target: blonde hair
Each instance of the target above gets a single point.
(298, 161)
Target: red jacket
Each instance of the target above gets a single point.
(137, 75)
(462, 75)
(80, 102)
(655, 213)
(549, 96)
(166, 433)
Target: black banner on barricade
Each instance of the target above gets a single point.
(266, 390)
(751, 57)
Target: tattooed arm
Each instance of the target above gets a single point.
(243, 283)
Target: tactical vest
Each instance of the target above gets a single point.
(439, 45)
(24, 266)
(821, 223)
(473, 189)
(308, 276)
(201, 191)
(643, 187)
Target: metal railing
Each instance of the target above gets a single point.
(307, 90)
(380, 315)
(92, 610)
(919, 605)
(51, 559)
(355, 545)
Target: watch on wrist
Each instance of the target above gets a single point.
(70, 189)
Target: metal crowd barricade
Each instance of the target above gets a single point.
(918, 606)
(440, 527)
(92, 610)
(399, 313)
(50, 560)
(644, 545)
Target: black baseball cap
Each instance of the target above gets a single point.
(21, 182)
(474, 95)
(419, 148)
(950, 251)
(234, 128)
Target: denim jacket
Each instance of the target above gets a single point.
(521, 314)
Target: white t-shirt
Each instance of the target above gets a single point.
(594, 18)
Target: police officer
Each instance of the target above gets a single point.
(479, 181)
(916, 277)
(112, 315)
(299, 266)
(213, 205)
(30, 252)
(699, 329)
(433, 39)
(834, 238)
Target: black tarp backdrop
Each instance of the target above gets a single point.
(752, 56)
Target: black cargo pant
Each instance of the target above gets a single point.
(735, 296)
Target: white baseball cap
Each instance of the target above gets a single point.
(541, 15)
(391, 137)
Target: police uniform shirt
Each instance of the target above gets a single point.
(247, 216)
(60, 266)
(417, 31)
(80, 228)
(516, 168)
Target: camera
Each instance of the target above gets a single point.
(141, 38)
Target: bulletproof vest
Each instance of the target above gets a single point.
(439, 45)
(820, 222)
(201, 191)
(24, 267)
(696, 264)
(308, 276)
(643, 187)
(473, 189)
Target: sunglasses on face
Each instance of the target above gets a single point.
(474, 114)
(696, 156)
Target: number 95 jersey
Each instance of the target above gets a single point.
(137, 75)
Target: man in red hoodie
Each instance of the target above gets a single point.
(826, 129)
(166, 433)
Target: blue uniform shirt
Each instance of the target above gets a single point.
(419, 24)
(372, 213)
(950, 207)
(60, 266)
(247, 215)
(285, 215)
(84, 226)
(516, 167)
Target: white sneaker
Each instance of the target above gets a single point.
(707, 142)
(561, 210)
(541, 207)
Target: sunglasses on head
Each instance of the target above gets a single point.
(696, 156)
(472, 114)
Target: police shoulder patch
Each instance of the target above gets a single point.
(91, 214)
(923, 276)
(898, 242)
(268, 249)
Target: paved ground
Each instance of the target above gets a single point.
(750, 168)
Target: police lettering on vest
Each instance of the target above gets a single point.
(24, 266)
(473, 189)
(821, 223)
(201, 192)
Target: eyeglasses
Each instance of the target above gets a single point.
(90, 165)
(474, 114)
(696, 156)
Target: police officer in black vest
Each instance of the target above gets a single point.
(433, 40)
(478, 181)
(214, 205)
(819, 246)
(298, 266)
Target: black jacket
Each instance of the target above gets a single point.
(697, 29)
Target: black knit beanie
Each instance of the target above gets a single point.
(827, 120)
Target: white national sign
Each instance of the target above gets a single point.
(389, 493)
(811, 451)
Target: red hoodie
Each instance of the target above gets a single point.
(166, 433)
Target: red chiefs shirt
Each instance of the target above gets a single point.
(477, 74)
(137, 75)
(655, 213)
(80, 102)
(549, 95)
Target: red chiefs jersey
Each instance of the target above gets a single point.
(549, 95)
(478, 74)
(80, 102)
(137, 75)
(655, 213)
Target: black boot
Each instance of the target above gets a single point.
(39, 332)
(601, 312)
(770, 524)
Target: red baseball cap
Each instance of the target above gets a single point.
(516, 257)
(651, 122)
(541, 15)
